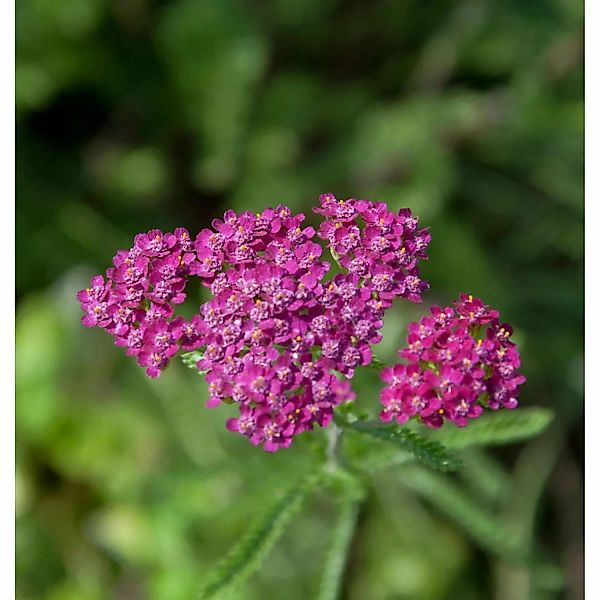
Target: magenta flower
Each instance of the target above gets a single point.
(458, 362)
(135, 302)
(278, 338)
(383, 253)
(276, 367)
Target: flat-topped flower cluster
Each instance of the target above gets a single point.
(282, 334)
(135, 303)
(384, 253)
(458, 360)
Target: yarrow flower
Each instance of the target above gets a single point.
(277, 338)
(458, 361)
(276, 332)
(135, 302)
(380, 247)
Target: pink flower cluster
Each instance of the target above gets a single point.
(457, 362)
(277, 338)
(280, 337)
(135, 302)
(275, 332)
(380, 247)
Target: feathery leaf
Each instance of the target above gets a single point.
(249, 553)
(376, 363)
(427, 451)
(189, 359)
(496, 428)
(485, 528)
(485, 477)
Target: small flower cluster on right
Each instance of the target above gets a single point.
(458, 361)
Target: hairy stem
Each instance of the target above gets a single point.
(334, 448)
(337, 555)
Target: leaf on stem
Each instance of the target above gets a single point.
(246, 557)
(376, 363)
(190, 359)
(429, 452)
(496, 428)
(484, 527)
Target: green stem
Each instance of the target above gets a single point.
(336, 258)
(334, 447)
(337, 555)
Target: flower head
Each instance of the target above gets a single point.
(281, 345)
(380, 247)
(135, 302)
(458, 361)
(279, 338)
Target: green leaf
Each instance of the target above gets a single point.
(484, 527)
(246, 557)
(341, 537)
(189, 359)
(485, 477)
(376, 457)
(496, 428)
(376, 363)
(429, 452)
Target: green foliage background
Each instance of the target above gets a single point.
(135, 114)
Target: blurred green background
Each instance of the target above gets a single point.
(135, 114)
